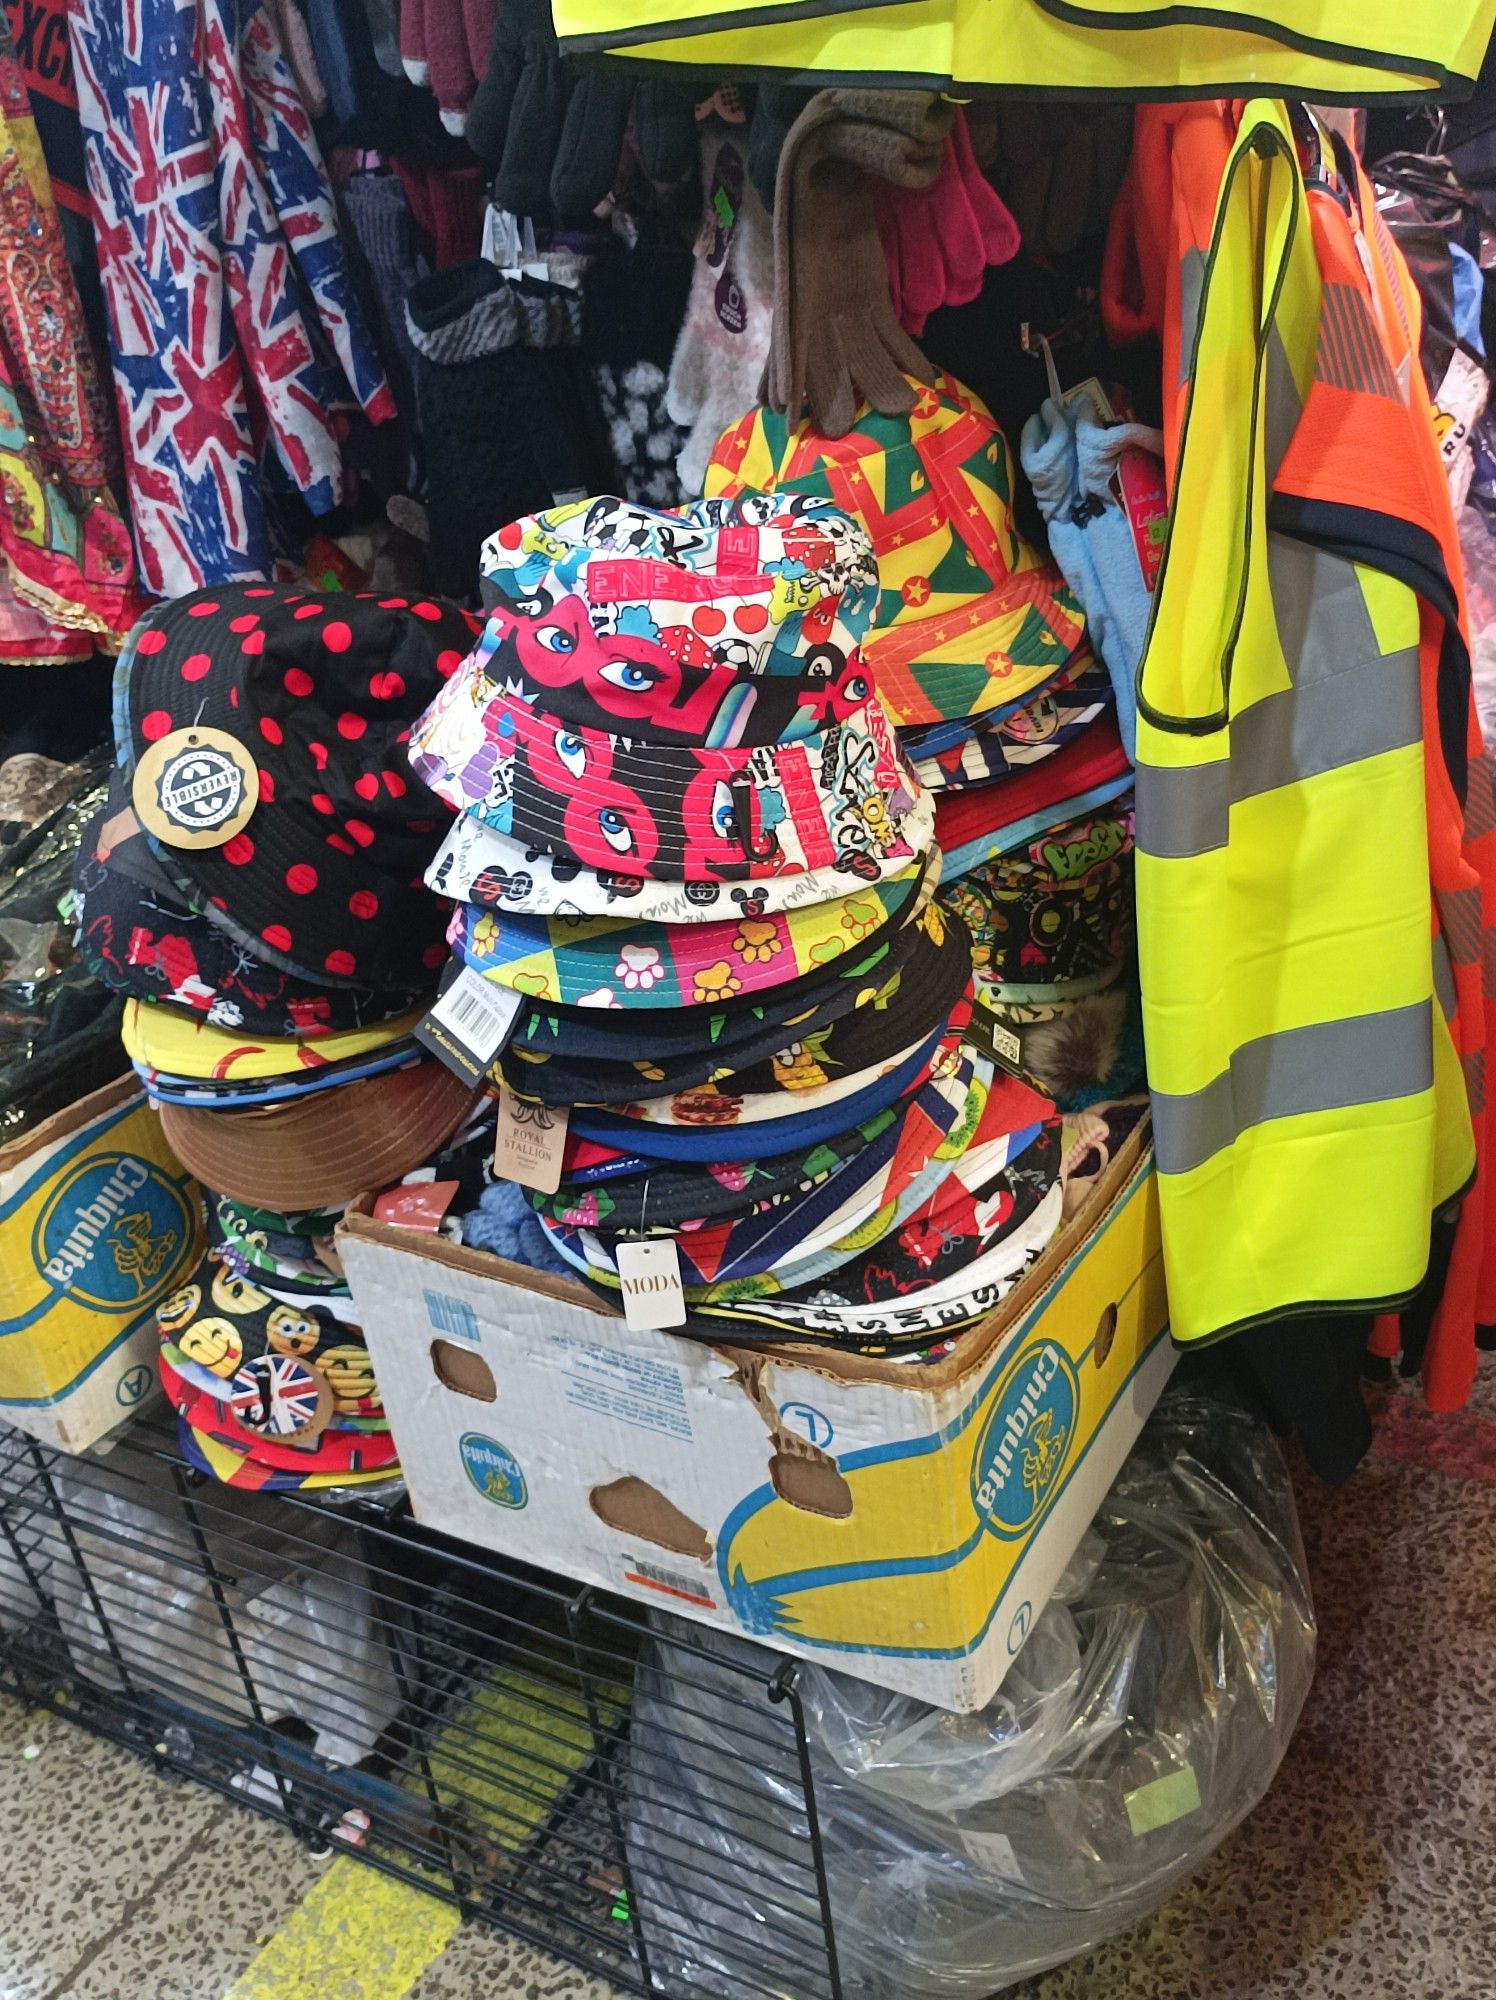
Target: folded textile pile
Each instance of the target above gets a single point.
(253, 884)
(696, 881)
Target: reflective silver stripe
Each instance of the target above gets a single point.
(1282, 404)
(1444, 986)
(1298, 733)
(1323, 624)
(1369, 1059)
(1191, 291)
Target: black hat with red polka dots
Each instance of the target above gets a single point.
(324, 875)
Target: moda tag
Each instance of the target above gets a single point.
(530, 1142)
(195, 789)
(649, 1272)
(470, 1023)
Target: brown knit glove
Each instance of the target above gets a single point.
(836, 342)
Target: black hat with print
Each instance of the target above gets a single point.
(265, 732)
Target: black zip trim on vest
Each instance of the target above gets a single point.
(675, 69)
(1183, 15)
(772, 14)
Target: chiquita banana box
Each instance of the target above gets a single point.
(97, 1222)
(902, 1522)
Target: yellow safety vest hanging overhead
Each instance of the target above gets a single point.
(1347, 51)
(1282, 865)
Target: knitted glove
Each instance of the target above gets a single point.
(553, 134)
(939, 240)
(776, 106)
(413, 41)
(478, 18)
(488, 114)
(666, 131)
(836, 341)
(453, 78)
(590, 144)
(894, 135)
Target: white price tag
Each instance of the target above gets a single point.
(649, 1272)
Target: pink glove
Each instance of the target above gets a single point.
(938, 241)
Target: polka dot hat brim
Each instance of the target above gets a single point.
(325, 877)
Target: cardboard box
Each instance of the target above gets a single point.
(97, 1222)
(901, 1522)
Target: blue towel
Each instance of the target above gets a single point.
(1070, 456)
(505, 1223)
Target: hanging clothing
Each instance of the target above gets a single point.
(1284, 956)
(1363, 476)
(1346, 51)
(66, 551)
(227, 292)
(40, 39)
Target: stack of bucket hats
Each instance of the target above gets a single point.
(978, 650)
(692, 848)
(254, 886)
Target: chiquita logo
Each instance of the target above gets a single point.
(113, 1233)
(493, 1469)
(1025, 1441)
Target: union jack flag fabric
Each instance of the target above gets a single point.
(232, 315)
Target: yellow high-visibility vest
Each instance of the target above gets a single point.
(1346, 51)
(1282, 856)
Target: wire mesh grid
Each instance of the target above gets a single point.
(458, 1720)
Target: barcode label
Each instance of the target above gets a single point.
(995, 1040)
(470, 1023)
(650, 1576)
(451, 1316)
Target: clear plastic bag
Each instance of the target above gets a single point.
(1144, 1718)
(1478, 546)
(305, 1622)
(59, 1027)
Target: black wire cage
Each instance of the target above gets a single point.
(460, 1721)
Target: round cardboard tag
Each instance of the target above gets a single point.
(195, 788)
(277, 1396)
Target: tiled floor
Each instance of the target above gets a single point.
(1368, 1874)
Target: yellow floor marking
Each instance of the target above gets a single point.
(357, 1935)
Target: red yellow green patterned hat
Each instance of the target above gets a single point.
(969, 617)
